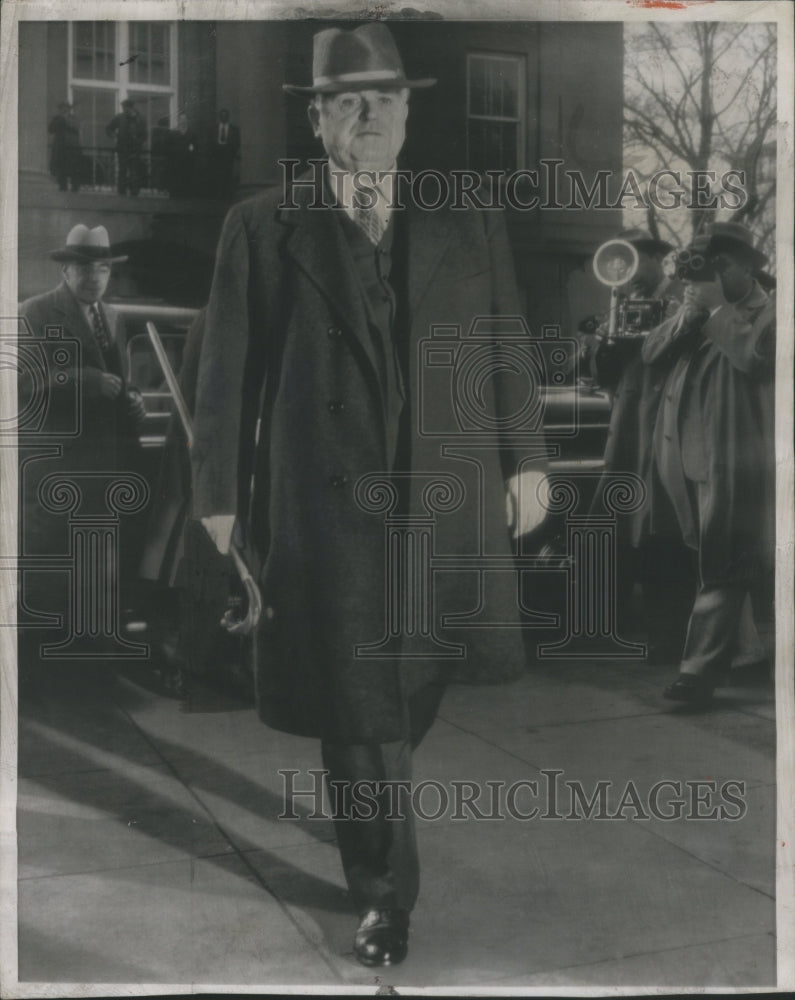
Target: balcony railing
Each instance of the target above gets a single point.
(100, 170)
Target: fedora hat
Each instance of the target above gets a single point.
(356, 60)
(644, 241)
(733, 237)
(84, 245)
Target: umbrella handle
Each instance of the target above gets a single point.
(244, 626)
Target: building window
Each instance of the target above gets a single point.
(495, 111)
(110, 61)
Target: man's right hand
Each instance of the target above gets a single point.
(219, 528)
(110, 385)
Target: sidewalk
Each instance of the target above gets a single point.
(150, 851)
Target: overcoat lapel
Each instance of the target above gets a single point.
(428, 235)
(76, 324)
(319, 247)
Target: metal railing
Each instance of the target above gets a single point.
(100, 171)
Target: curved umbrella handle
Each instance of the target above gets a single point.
(243, 626)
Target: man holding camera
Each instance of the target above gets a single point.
(712, 474)
(617, 366)
(310, 381)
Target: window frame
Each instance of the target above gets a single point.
(520, 120)
(122, 85)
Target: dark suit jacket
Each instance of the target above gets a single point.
(286, 342)
(107, 436)
(730, 370)
(232, 147)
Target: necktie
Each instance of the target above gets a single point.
(222, 136)
(98, 325)
(367, 218)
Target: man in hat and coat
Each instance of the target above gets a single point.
(307, 432)
(65, 156)
(111, 410)
(129, 130)
(712, 474)
(635, 388)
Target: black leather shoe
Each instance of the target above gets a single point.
(691, 688)
(382, 937)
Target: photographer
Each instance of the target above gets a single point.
(712, 472)
(617, 366)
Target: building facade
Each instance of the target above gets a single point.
(511, 97)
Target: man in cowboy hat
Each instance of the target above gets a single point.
(313, 333)
(712, 475)
(129, 131)
(111, 409)
(617, 366)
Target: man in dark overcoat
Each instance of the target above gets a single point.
(65, 156)
(129, 130)
(111, 409)
(224, 152)
(636, 387)
(312, 423)
(713, 452)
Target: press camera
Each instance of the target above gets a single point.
(615, 264)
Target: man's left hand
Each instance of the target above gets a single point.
(522, 504)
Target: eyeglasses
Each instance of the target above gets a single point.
(353, 103)
(91, 267)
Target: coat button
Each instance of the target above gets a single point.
(338, 481)
(336, 406)
(334, 331)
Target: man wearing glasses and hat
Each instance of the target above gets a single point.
(111, 409)
(713, 465)
(617, 366)
(313, 332)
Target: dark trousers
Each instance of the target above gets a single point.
(712, 631)
(721, 629)
(130, 171)
(379, 854)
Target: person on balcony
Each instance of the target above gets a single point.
(224, 156)
(129, 130)
(183, 151)
(65, 157)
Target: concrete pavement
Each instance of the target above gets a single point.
(150, 850)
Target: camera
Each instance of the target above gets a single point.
(616, 263)
(48, 382)
(458, 369)
(694, 263)
(638, 316)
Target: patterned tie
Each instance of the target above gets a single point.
(98, 325)
(367, 218)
